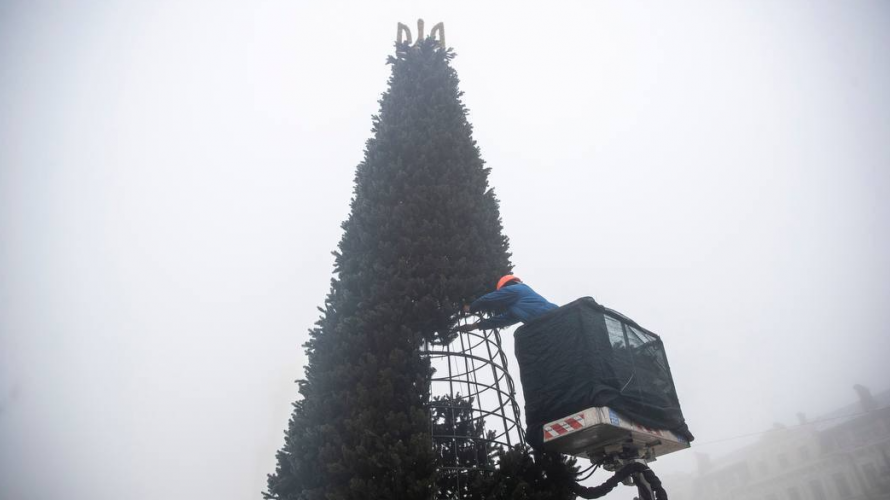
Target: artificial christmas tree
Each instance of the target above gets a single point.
(423, 236)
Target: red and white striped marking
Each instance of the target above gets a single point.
(565, 426)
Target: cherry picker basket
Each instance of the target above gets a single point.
(584, 356)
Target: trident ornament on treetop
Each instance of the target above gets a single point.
(438, 29)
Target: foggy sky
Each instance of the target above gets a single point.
(173, 176)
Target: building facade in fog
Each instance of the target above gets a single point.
(842, 455)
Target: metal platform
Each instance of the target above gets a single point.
(599, 433)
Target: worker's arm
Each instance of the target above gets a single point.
(499, 321)
(496, 300)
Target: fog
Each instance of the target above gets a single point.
(173, 176)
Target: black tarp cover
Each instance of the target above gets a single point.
(583, 355)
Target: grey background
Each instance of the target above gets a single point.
(173, 176)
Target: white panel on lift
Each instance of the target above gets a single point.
(590, 431)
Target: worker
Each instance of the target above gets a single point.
(513, 301)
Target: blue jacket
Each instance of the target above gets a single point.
(512, 304)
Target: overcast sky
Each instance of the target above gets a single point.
(173, 176)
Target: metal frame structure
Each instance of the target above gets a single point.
(472, 385)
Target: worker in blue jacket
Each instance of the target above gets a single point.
(512, 302)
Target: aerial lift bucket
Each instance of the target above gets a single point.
(598, 386)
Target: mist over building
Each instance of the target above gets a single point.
(842, 455)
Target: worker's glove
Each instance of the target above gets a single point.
(469, 327)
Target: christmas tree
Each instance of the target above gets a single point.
(424, 235)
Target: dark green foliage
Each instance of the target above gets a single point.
(454, 416)
(424, 234)
(501, 474)
(524, 476)
(458, 433)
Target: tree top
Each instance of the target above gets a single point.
(438, 30)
